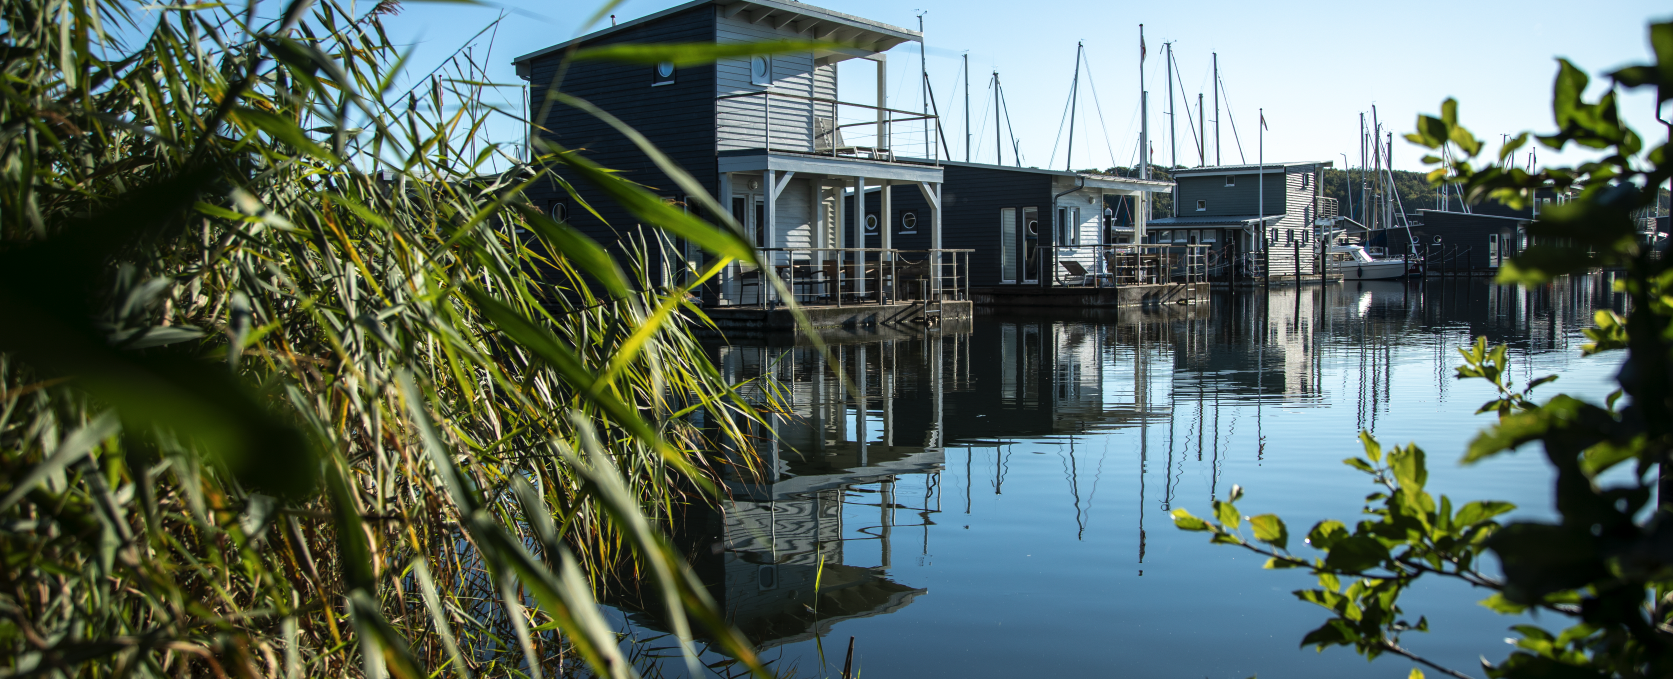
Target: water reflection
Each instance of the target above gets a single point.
(1123, 414)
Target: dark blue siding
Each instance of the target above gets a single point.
(678, 118)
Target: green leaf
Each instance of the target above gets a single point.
(1408, 466)
(1356, 553)
(584, 252)
(1479, 511)
(1275, 563)
(1185, 521)
(1360, 464)
(1326, 534)
(284, 130)
(1271, 530)
(1499, 604)
(1373, 450)
(1226, 513)
(71, 449)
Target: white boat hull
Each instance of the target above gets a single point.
(1371, 271)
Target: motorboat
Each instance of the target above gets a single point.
(1355, 264)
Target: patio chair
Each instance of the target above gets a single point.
(1077, 271)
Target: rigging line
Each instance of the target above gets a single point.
(984, 123)
(1016, 149)
(1195, 141)
(1060, 123)
(1233, 120)
(937, 110)
(1100, 107)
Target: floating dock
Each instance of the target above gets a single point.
(779, 319)
(1119, 296)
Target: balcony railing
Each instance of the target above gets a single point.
(850, 276)
(1114, 265)
(814, 125)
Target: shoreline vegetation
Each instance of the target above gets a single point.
(293, 382)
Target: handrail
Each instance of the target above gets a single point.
(837, 279)
(821, 100)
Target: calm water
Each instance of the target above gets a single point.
(995, 504)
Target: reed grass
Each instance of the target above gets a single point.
(294, 382)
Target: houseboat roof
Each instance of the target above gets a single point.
(1093, 180)
(1474, 214)
(1250, 168)
(815, 23)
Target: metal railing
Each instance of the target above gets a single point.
(823, 135)
(849, 276)
(1114, 265)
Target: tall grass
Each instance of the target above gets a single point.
(291, 385)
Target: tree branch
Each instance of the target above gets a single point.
(1395, 648)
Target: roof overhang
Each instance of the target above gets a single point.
(863, 36)
(827, 166)
(1106, 182)
(1263, 168)
(1213, 222)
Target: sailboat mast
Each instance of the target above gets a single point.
(923, 86)
(967, 136)
(1217, 159)
(998, 145)
(1202, 135)
(1074, 100)
(1173, 143)
(1144, 118)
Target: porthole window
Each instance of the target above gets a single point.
(1033, 227)
(560, 212)
(908, 222)
(663, 75)
(871, 223)
(761, 70)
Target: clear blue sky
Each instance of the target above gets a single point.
(1313, 66)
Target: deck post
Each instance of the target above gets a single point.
(715, 290)
(860, 235)
(885, 260)
(932, 195)
(841, 240)
(769, 234)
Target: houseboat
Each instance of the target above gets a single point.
(1255, 223)
(767, 136)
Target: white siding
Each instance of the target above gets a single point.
(741, 121)
(795, 216)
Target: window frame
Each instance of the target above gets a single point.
(1202, 206)
(767, 63)
(658, 79)
(1231, 180)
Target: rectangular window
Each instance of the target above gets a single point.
(1202, 206)
(1008, 244)
(1304, 180)
(1231, 180)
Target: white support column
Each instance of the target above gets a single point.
(882, 61)
(860, 235)
(1141, 210)
(932, 195)
(841, 225)
(725, 279)
(885, 211)
(769, 233)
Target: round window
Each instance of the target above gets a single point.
(758, 68)
(908, 221)
(560, 212)
(1437, 240)
(665, 69)
(871, 222)
(1033, 227)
